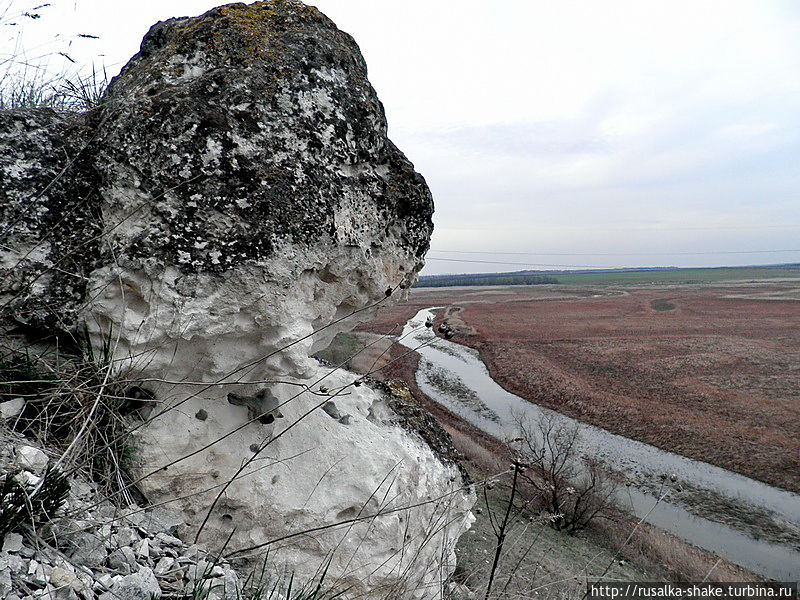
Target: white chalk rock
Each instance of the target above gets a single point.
(31, 459)
(318, 473)
(11, 408)
(254, 207)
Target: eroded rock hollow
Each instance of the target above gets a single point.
(232, 205)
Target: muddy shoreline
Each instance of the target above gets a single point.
(447, 369)
(758, 523)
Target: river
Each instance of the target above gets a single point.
(454, 376)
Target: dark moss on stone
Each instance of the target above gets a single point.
(417, 420)
(260, 113)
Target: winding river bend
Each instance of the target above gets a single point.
(454, 376)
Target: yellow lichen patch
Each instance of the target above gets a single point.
(401, 390)
(238, 33)
(252, 25)
(256, 23)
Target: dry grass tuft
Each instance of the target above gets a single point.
(74, 407)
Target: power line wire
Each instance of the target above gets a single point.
(616, 253)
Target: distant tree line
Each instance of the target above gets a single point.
(484, 279)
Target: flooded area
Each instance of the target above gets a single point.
(746, 521)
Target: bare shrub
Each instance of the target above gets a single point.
(573, 489)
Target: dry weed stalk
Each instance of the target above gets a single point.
(73, 406)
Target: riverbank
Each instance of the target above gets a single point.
(547, 558)
(716, 377)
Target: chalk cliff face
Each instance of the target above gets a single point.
(239, 205)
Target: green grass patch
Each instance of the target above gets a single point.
(614, 277)
(679, 276)
(538, 561)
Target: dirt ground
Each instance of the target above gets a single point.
(707, 371)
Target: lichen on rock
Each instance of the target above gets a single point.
(49, 218)
(268, 134)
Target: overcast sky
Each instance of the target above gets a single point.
(596, 133)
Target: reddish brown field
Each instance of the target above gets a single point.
(714, 374)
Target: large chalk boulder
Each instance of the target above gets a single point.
(249, 189)
(240, 203)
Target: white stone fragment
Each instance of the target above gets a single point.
(122, 560)
(204, 570)
(137, 586)
(126, 536)
(62, 578)
(81, 489)
(12, 542)
(169, 540)
(38, 575)
(11, 408)
(5, 583)
(88, 549)
(31, 459)
(164, 565)
(27, 479)
(103, 582)
(16, 563)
